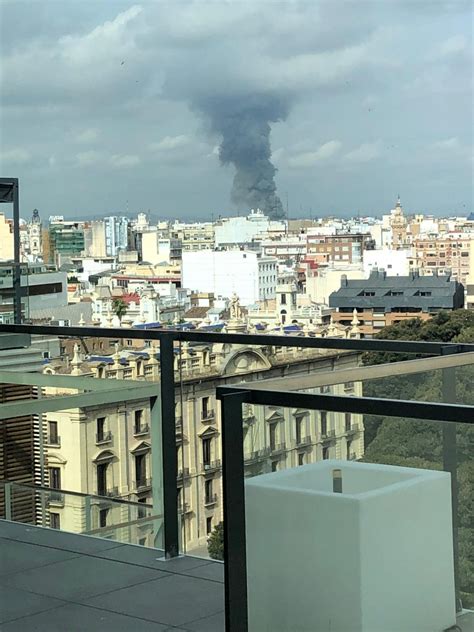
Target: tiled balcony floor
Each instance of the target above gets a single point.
(56, 581)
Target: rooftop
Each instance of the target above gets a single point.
(52, 580)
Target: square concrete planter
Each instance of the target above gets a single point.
(377, 557)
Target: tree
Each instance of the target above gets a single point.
(119, 308)
(215, 544)
(415, 443)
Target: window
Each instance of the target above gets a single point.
(103, 517)
(348, 450)
(325, 453)
(100, 429)
(208, 526)
(54, 520)
(347, 421)
(273, 436)
(301, 458)
(205, 407)
(299, 428)
(53, 436)
(206, 451)
(274, 466)
(283, 299)
(138, 421)
(140, 469)
(102, 479)
(55, 477)
(208, 491)
(324, 422)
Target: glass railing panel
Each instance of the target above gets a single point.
(103, 517)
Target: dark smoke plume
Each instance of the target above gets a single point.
(244, 125)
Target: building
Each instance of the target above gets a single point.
(6, 239)
(347, 248)
(66, 240)
(243, 230)
(224, 272)
(448, 254)
(394, 262)
(398, 225)
(323, 279)
(193, 236)
(41, 288)
(107, 449)
(380, 300)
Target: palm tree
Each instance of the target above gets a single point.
(119, 307)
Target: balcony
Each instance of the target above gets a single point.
(103, 437)
(183, 473)
(210, 500)
(207, 416)
(143, 429)
(290, 394)
(278, 449)
(304, 442)
(212, 466)
(56, 498)
(184, 508)
(143, 484)
(352, 429)
(109, 492)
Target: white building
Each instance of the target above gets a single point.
(245, 273)
(394, 262)
(322, 280)
(242, 230)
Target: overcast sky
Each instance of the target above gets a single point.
(100, 103)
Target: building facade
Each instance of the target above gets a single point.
(107, 450)
(380, 300)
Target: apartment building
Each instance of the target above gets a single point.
(223, 272)
(106, 450)
(193, 236)
(347, 248)
(380, 300)
(449, 254)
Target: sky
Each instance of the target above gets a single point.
(108, 107)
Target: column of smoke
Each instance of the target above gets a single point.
(244, 125)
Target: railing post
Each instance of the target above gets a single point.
(235, 548)
(8, 501)
(168, 443)
(16, 254)
(87, 510)
(450, 464)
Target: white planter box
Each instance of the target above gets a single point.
(376, 558)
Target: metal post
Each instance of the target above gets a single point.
(168, 443)
(8, 501)
(450, 463)
(235, 549)
(157, 473)
(16, 252)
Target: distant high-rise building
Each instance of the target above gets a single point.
(66, 239)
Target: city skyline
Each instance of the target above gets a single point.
(103, 105)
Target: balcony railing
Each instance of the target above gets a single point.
(54, 441)
(207, 415)
(210, 500)
(212, 466)
(109, 492)
(232, 438)
(144, 428)
(103, 437)
(352, 429)
(277, 449)
(142, 484)
(56, 498)
(183, 473)
(303, 442)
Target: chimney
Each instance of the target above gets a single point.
(344, 280)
